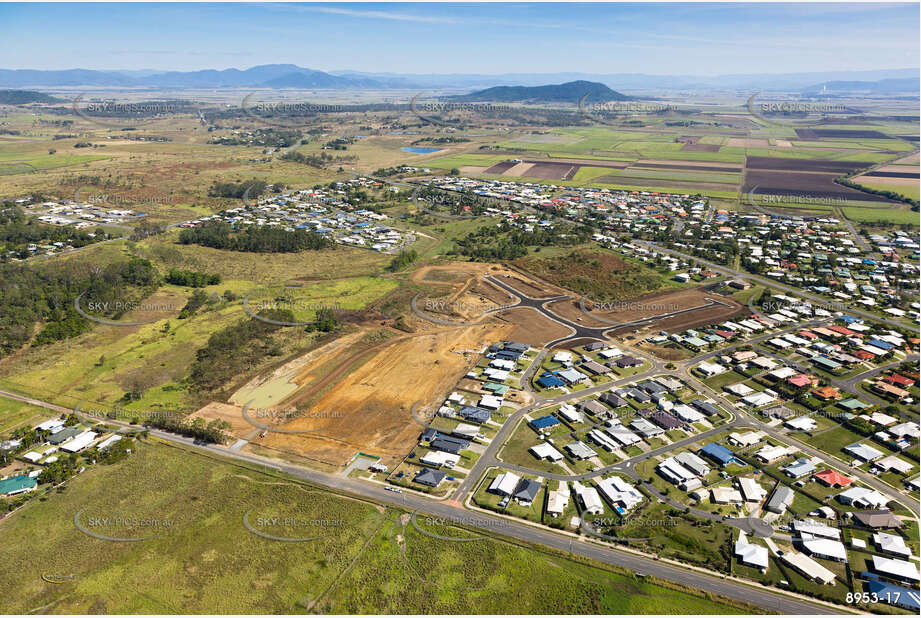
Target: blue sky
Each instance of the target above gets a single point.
(674, 39)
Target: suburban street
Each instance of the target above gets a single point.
(695, 579)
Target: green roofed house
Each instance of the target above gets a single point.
(826, 363)
(17, 485)
(853, 404)
(498, 389)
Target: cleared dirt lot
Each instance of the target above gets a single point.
(649, 305)
(529, 326)
(368, 407)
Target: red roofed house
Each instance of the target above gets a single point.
(863, 355)
(832, 478)
(808, 334)
(841, 330)
(899, 380)
(827, 392)
(802, 379)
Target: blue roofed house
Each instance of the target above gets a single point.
(550, 381)
(719, 453)
(544, 422)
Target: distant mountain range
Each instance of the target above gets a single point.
(570, 92)
(265, 76)
(880, 87)
(281, 76)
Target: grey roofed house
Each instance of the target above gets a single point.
(580, 450)
(449, 444)
(780, 500)
(65, 434)
(526, 490)
(653, 388)
(594, 368)
(612, 400)
(664, 419)
(471, 413)
(596, 345)
(705, 406)
(800, 467)
(628, 361)
(645, 428)
(694, 463)
(430, 477)
(515, 347)
(879, 518)
(593, 406)
(428, 435)
(639, 395)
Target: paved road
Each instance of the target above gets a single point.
(761, 597)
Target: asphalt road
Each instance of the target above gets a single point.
(761, 597)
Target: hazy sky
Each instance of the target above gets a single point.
(688, 39)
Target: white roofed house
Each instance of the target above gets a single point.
(725, 495)
(894, 568)
(750, 554)
(769, 454)
(78, 443)
(892, 544)
(808, 567)
(504, 484)
(619, 493)
(545, 450)
(558, 500)
(751, 490)
(589, 498)
(827, 549)
(863, 498)
(711, 369)
(569, 413)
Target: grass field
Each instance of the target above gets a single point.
(913, 191)
(888, 215)
(206, 561)
(15, 414)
